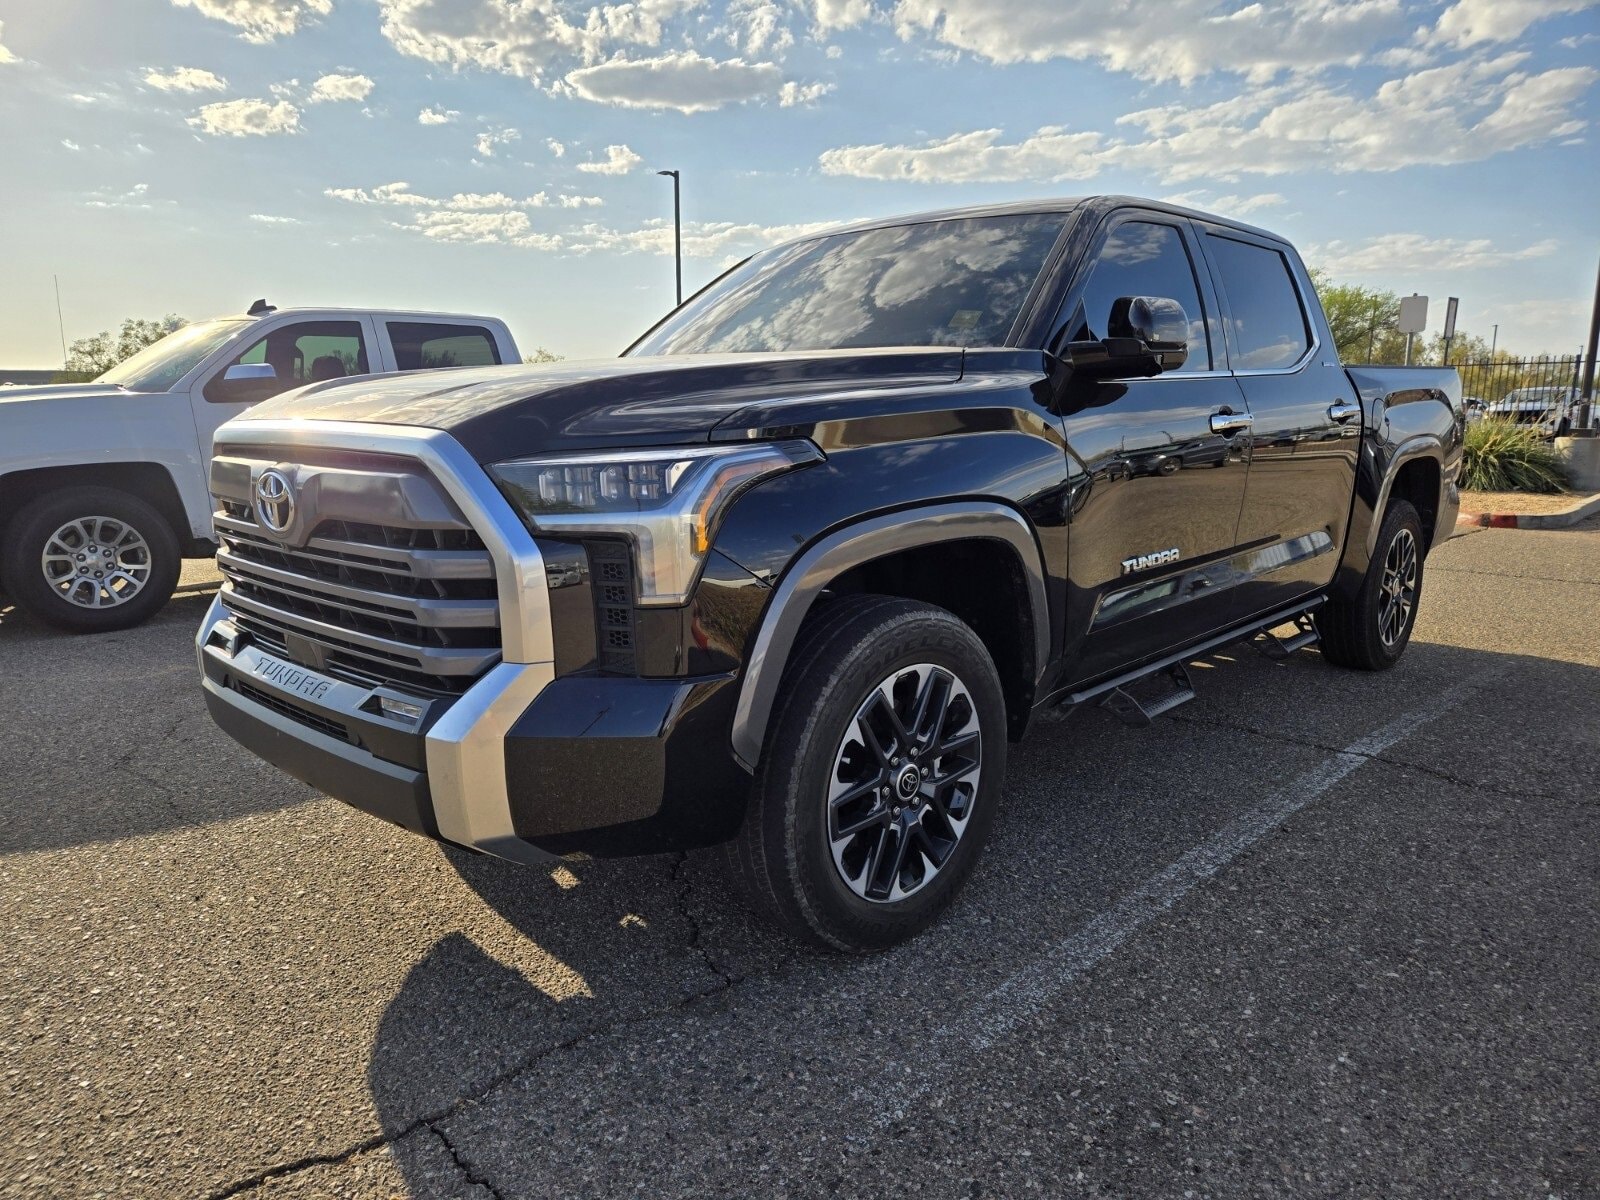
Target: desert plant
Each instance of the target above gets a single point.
(1502, 456)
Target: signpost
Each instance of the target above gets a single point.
(1449, 327)
(1413, 319)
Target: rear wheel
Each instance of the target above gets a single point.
(880, 777)
(1371, 631)
(90, 559)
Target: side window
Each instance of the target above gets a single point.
(420, 345)
(1143, 258)
(303, 352)
(1265, 319)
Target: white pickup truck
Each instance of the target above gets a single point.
(103, 485)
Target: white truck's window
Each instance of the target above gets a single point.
(160, 365)
(422, 345)
(303, 352)
(1264, 315)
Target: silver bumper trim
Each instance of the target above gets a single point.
(465, 748)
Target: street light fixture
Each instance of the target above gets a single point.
(677, 230)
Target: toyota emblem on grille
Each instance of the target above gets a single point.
(274, 500)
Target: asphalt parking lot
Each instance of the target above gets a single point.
(1316, 934)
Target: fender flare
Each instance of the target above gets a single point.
(1424, 445)
(852, 546)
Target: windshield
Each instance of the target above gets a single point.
(939, 283)
(161, 364)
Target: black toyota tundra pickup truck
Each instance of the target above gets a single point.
(791, 573)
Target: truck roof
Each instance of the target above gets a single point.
(1099, 205)
(361, 312)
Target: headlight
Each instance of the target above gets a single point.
(667, 501)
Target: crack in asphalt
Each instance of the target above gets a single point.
(1386, 760)
(726, 981)
(1514, 575)
(471, 1175)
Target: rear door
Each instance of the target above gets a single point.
(1164, 457)
(423, 344)
(1306, 431)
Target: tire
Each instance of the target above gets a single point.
(139, 567)
(1364, 633)
(842, 893)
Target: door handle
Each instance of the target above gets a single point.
(1342, 410)
(1230, 422)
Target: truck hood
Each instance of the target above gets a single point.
(501, 412)
(44, 392)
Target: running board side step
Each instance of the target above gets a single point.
(1269, 645)
(1134, 711)
(1115, 695)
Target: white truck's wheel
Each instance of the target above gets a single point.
(90, 559)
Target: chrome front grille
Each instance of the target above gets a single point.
(378, 580)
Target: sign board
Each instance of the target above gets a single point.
(1413, 314)
(1450, 318)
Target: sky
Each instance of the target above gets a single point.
(499, 156)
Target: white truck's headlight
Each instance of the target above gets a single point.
(666, 501)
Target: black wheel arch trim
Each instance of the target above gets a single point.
(861, 542)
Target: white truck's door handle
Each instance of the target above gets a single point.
(1342, 410)
(1230, 422)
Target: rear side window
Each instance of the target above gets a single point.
(1142, 258)
(420, 345)
(1266, 321)
(300, 352)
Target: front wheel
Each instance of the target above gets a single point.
(90, 559)
(880, 777)
(1371, 631)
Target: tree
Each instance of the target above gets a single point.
(541, 355)
(1362, 319)
(94, 356)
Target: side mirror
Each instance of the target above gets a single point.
(251, 372)
(1145, 336)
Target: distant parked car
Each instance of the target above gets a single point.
(1550, 408)
(1476, 406)
(103, 485)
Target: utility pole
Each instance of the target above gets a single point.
(1494, 340)
(61, 324)
(1586, 414)
(677, 229)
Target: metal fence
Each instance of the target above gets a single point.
(1494, 381)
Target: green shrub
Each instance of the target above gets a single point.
(1502, 456)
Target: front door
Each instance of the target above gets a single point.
(1306, 434)
(1163, 461)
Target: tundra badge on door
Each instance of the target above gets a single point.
(1156, 558)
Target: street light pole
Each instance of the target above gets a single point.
(677, 230)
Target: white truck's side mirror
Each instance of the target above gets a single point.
(254, 372)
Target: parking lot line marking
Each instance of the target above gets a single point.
(1031, 989)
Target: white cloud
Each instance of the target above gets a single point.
(793, 94)
(5, 55)
(619, 160)
(490, 138)
(580, 201)
(757, 27)
(437, 116)
(556, 148)
(1228, 205)
(457, 225)
(1397, 252)
(1465, 112)
(527, 38)
(268, 219)
(400, 195)
(247, 118)
(388, 193)
(1050, 155)
(261, 20)
(138, 196)
(71, 145)
(685, 80)
(839, 14)
(701, 239)
(186, 79)
(339, 87)
(1471, 22)
(1175, 40)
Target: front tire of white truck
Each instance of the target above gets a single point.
(90, 559)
